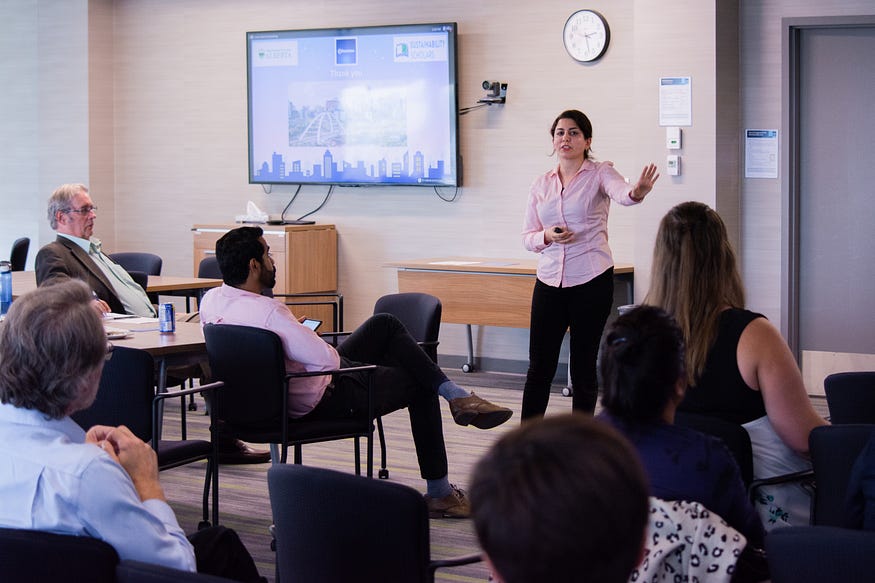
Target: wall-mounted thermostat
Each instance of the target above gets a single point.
(673, 165)
(673, 138)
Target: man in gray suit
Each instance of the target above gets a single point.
(75, 254)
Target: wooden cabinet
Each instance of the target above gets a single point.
(305, 256)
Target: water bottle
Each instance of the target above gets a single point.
(5, 286)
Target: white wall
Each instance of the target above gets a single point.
(43, 112)
(176, 97)
(180, 131)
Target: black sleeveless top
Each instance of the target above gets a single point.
(721, 392)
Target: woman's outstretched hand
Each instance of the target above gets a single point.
(645, 183)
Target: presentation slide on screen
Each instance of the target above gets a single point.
(358, 109)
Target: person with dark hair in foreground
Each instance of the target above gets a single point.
(643, 373)
(405, 375)
(104, 483)
(560, 499)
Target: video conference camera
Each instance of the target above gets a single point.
(497, 92)
(495, 88)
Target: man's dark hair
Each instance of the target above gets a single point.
(642, 358)
(561, 499)
(52, 346)
(235, 249)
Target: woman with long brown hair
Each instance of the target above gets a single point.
(739, 368)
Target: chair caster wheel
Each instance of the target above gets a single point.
(467, 367)
(203, 524)
(383, 474)
(567, 392)
(192, 406)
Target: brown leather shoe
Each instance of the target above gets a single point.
(453, 505)
(235, 451)
(478, 412)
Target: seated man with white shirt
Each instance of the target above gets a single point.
(75, 254)
(405, 376)
(102, 484)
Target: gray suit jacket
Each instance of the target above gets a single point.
(64, 260)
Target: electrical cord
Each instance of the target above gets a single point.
(294, 196)
(321, 204)
(440, 196)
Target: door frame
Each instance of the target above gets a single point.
(791, 32)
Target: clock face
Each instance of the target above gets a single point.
(586, 35)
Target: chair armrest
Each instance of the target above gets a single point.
(319, 373)
(206, 389)
(340, 371)
(337, 295)
(436, 564)
(804, 477)
(336, 304)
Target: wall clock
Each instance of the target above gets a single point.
(586, 35)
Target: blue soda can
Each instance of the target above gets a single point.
(166, 318)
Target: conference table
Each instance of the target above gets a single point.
(25, 281)
(483, 291)
(183, 347)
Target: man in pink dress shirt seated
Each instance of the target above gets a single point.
(405, 375)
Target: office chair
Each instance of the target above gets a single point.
(126, 396)
(44, 557)
(737, 440)
(148, 263)
(209, 268)
(813, 554)
(334, 527)
(850, 397)
(733, 435)
(18, 255)
(254, 404)
(834, 449)
(421, 315)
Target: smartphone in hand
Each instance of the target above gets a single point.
(311, 324)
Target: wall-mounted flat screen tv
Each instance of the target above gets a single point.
(373, 105)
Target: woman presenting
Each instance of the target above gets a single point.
(566, 223)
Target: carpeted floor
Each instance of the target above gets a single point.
(244, 504)
(243, 496)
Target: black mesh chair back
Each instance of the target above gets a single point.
(420, 313)
(834, 449)
(45, 557)
(126, 396)
(850, 397)
(734, 436)
(251, 363)
(814, 554)
(380, 529)
(18, 256)
(147, 263)
(209, 267)
(142, 279)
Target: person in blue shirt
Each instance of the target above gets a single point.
(644, 378)
(103, 483)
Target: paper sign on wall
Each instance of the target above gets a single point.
(761, 153)
(675, 101)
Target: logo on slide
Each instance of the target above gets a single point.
(345, 51)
